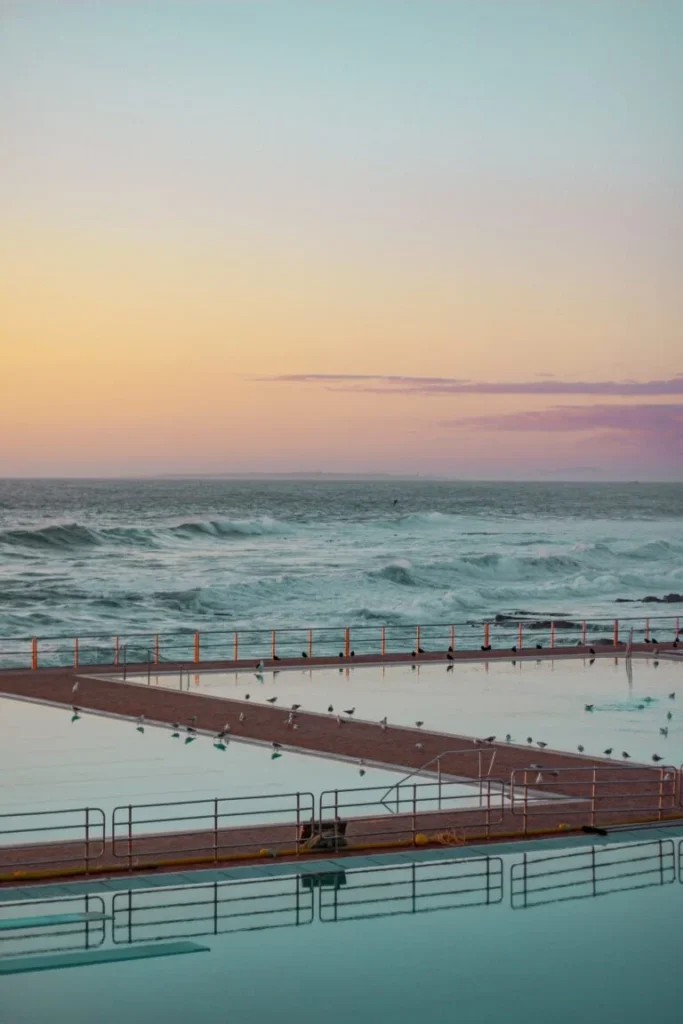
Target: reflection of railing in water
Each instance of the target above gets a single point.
(60, 925)
(415, 888)
(587, 873)
(245, 905)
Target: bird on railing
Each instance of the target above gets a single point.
(539, 647)
(654, 640)
(449, 656)
(304, 654)
(271, 700)
(275, 745)
(486, 647)
(591, 650)
(140, 727)
(514, 650)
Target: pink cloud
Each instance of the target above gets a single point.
(388, 384)
(660, 425)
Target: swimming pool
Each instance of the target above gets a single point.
(544, 699)
(560, 930)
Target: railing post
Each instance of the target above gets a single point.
(615, 635)
(520, 636)
(583, 633)
(87, 840)
(661, 794)
(417, 639)
(116, 650)
(486, 634)
(310, 643)
(414, 811)
(75, 652)
(272, 645)
(383, 641)
(156, 648)
(215, 830)
(451, 637)
(235, 646)
(552, 635)
(647, 629)
(34, 652)
(678, 628)
(525, 812)
(347, 642)
(125, 661)
(130, 837)
(196, 648)
(593, 794)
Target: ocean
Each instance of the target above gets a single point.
(115, 556)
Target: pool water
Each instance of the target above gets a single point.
(546, 932)
(48, 762)
(543, 699)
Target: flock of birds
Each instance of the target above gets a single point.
(221, 739)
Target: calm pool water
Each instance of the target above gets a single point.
(543, 699)
(590, 933)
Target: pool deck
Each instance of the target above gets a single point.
(625, 793)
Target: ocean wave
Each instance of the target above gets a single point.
(396, 572)
(75, 536)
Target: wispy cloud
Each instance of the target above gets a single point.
(391, 384)
(656, 424)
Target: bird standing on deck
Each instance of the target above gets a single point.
(541, 744)
(271, 700)
(418, 725)
(529, 739)
(608, 752)
(656, 758)
(664, 731)
(383, 723)
(350, 712)
(330, 709)
(625, 755)
(74, 688)
(580, 748)
(669, 715)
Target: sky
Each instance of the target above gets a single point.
(436, 237)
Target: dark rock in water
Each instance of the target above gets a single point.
(557, 623)
(625, 600)
(652, 599)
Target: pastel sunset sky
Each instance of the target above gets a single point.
(441, 237)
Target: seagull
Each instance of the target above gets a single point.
(247, 696)
(664, 731)
(419, 746)
(449, 655)
(641, 707)
(418, 725)
(654, 639)
(74, 688)
(330, 709)
(350, 711)
(580, 748)
(489, 739)
(140, 727)
(591, 650)
(275, 745)
(271, 700)
(672, 696)
(625, 755)
(383, 723)
(648, 700)
(189, 729)
(608, 752)
(361, 772)
(508, 738)
(529, 739)
(656, 758)
(395, 501)
(242, 716)
(539, 647)
(353, 654)
(588, 707)
(304, 654)
(295, 707)
(669, 715)
(541, 744)
(420, 650)
(514, 650)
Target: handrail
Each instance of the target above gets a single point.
(418, 771)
